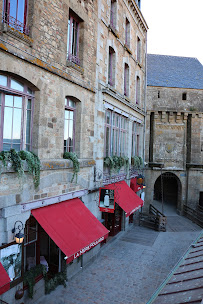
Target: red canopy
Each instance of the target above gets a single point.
(125, 197)
(134, 186)
(4, 280)
(71, 226)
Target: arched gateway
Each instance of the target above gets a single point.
(168, 185)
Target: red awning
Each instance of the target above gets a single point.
(71, 226)
(125, 197)
(134, 186)
(4, 280)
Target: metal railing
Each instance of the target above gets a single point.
(16, 24)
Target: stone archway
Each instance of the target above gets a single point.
(171, 189)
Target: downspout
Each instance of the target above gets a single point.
(145, 100)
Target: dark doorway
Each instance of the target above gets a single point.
(170, 191)
(113, 220)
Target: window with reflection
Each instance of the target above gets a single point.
(15, 14)
(16, 103)
(69, 125)
(115, 134)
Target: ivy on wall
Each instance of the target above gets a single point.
(16, 160)
(76, 165)
(115, 163)
(137, 161)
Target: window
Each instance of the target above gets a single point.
(30, 244)
(111, 74)
(184, 96)
(16, 108)
(15, 15)
(138, 90)
(69, 125)
(126, 80)
(127, 33)
(73, 39)
(115, 134)
(136, 139)
(138, 49)
(113, 14)
(158, 94)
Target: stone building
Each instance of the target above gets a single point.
(68, 70)
(120, 95)
(174, 131)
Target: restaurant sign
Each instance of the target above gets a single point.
(106, 200)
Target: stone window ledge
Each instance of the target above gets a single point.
(17, 34)
(53, 165)
(73, 65)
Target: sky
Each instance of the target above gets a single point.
(175, 27)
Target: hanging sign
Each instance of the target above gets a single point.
(106, 200)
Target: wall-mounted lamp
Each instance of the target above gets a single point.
(19, 236)
(140, 181)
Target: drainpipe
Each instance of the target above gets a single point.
(145, 100)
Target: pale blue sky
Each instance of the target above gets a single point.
(175, 27)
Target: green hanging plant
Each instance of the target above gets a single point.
(15, 158)
(30, 275)
(137, 161)
(115, 163)
(76, 165)
(33, 164)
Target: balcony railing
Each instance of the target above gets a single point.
(73, 59)
(16, 24)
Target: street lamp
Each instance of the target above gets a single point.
(19, 236)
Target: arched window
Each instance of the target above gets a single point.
(16, 109)
(69, 125)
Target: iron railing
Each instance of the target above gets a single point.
(16, 24)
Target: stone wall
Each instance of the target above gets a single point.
(174, 137)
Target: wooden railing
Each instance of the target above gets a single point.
(194, 215)
(154, 219)
(3, 302)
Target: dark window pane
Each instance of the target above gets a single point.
(28, 123)
(6, 147)
(29, 104)
(16, 147)
(29, 91)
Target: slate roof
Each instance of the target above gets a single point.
(185, 285)
(174, 72)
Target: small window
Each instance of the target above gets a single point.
(138, 49)
(113, 14)
(15, 15)
(126, 80)
(158, 94)
(127, 33)
(111, 73)
(138, 90)
(69, 125)
(73, 39)
(184, 96)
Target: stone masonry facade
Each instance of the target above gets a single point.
(174, 129)
(40, 55)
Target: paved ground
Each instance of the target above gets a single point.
(131, 268)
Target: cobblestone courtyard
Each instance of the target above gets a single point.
(131, 268)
